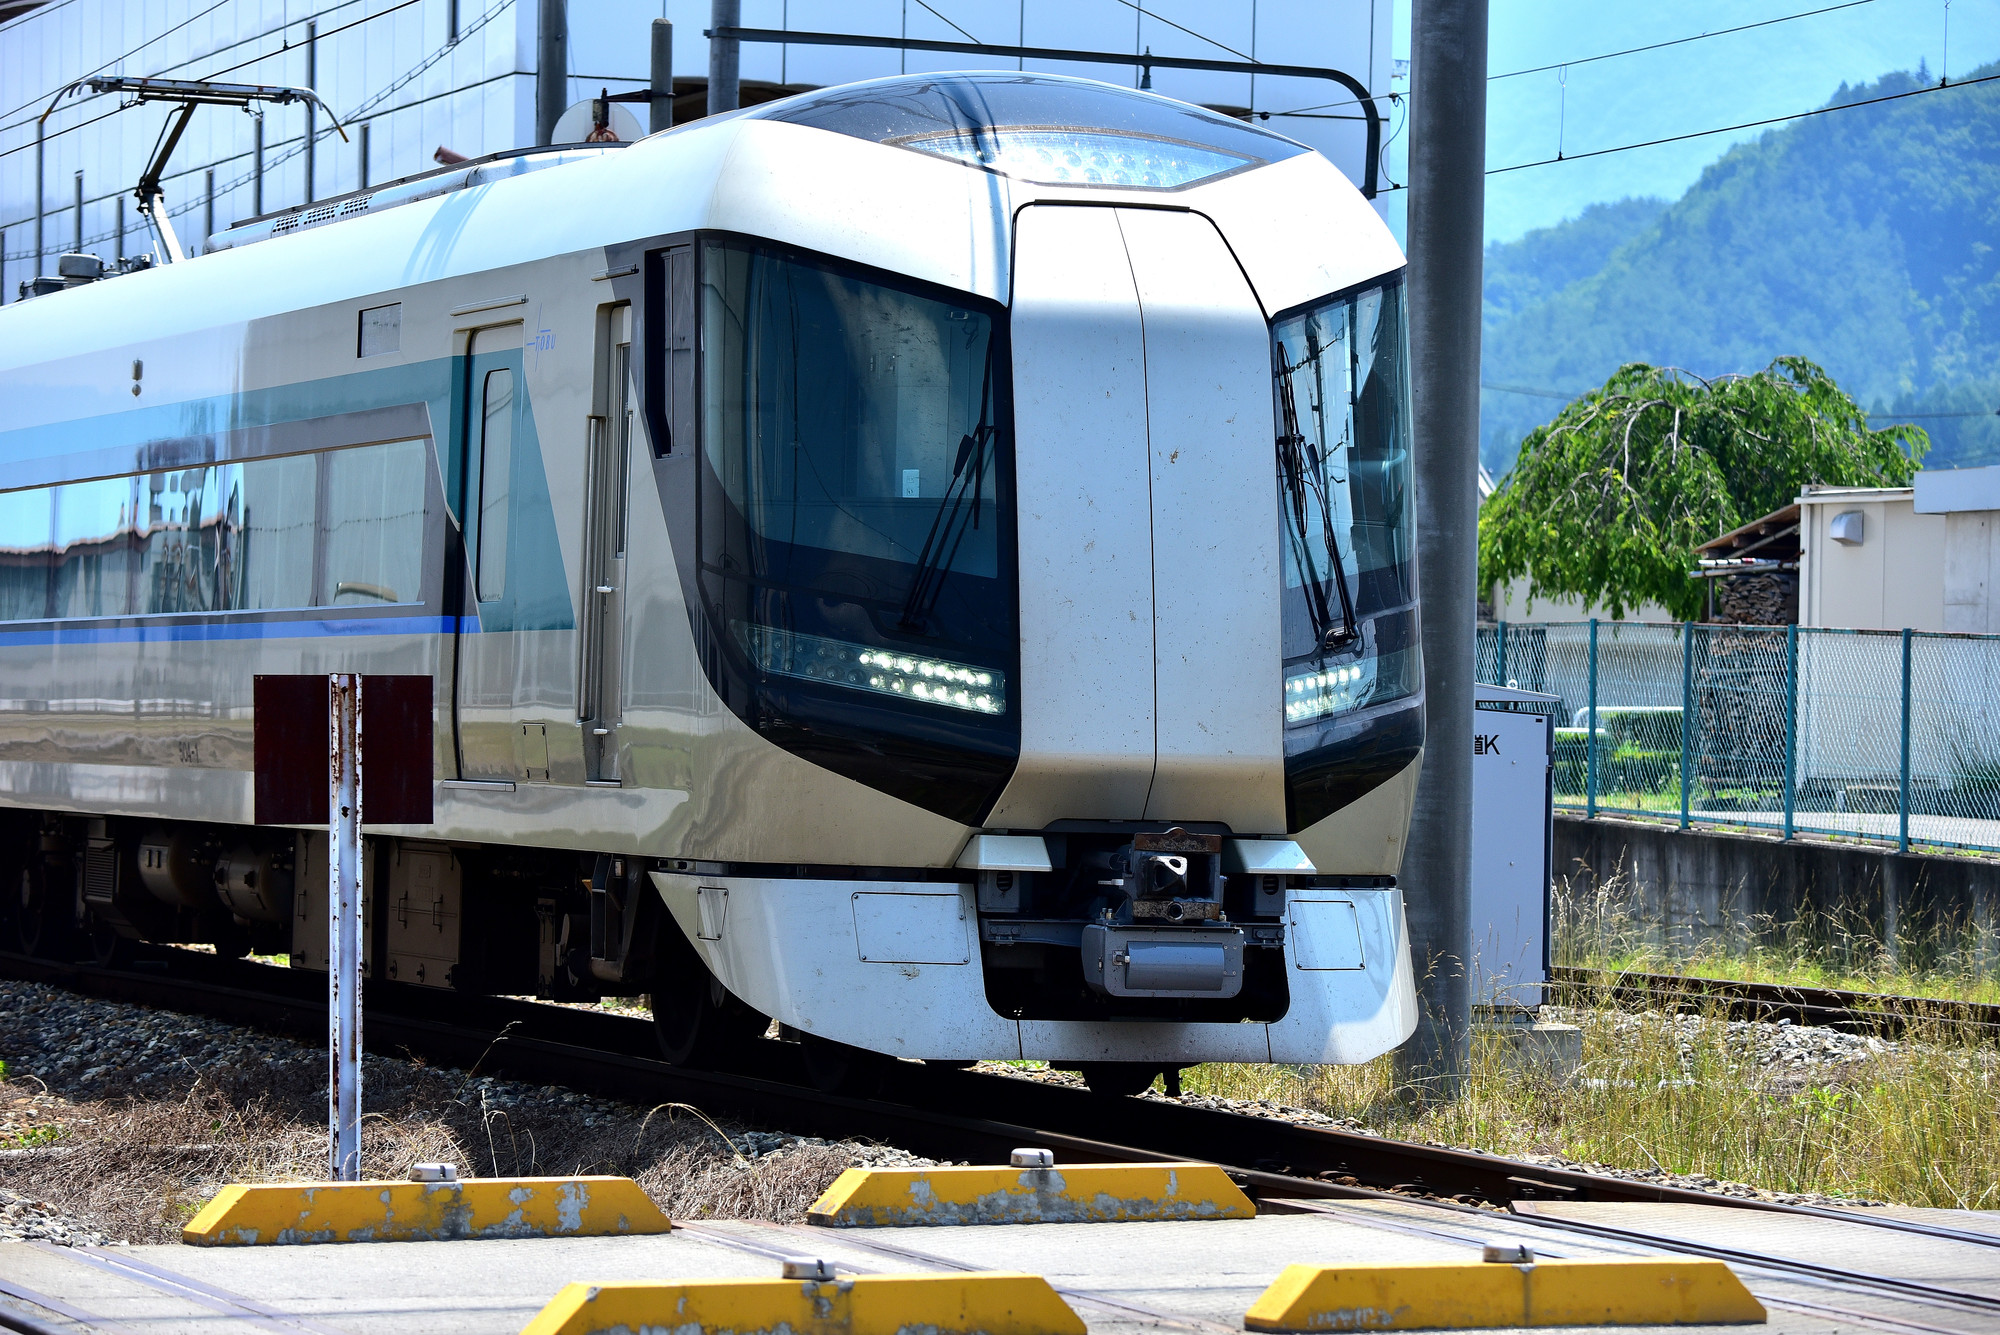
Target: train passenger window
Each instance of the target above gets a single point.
(374, 525)
(24, 554)
(185, 540)
(93, 548)
(220, 537)
(496, 465)
(278, 512)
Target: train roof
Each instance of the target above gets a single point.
(876, 173)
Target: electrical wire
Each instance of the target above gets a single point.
(1530, 390)
(321, 37)
(1746, 125)
(212, 74)
(1610, 55)
(1147, 13)
(1680, 41)
(1885, 415)
(35, 13)
(960, 31)
(42, 99)
(298, 146)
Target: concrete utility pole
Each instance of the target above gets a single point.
(551, 68)
(662, 103)
(724, 81)
(1447, 236)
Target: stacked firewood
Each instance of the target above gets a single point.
(1740, 702)
(1767, 598)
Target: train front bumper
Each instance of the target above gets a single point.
(895, 967)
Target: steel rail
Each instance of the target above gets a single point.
(1872, 1012)
(613, 1056)
(1783, 1269)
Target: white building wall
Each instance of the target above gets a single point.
(395, 65)
(1892, 579)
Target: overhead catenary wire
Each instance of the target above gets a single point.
(1728, 129)
(213, 74)
(115, 60)
(1612, 55)
(226, 46)
(1201, 37)
(1746, 125)
(1680, 41)
(1884, 414)
(365, 108)
(947, 22)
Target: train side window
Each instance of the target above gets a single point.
(184, 542)
(496, 463)
(278, 514)
(93, 548)
(374, 534)
(220, 537)
(26, 521)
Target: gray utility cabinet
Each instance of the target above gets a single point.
(1513, 740)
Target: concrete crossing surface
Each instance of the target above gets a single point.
(1811, 1274)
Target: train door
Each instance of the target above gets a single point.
(609, 465)
(485, 666)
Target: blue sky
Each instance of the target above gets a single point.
(1722, 80)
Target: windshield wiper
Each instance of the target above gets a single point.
(1295, 456)
(958, 509)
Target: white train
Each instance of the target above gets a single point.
(928, 562)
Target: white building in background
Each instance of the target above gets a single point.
(461, 74)
(1926, 557)
(1870, 559)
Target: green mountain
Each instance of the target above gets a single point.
(1866, 240)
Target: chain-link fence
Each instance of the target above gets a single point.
(1880, 735)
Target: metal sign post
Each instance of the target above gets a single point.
(307, 756)
(343, 926)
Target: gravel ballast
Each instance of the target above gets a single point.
(118, 1121)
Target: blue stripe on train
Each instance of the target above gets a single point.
(236, 630)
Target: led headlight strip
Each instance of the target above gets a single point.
(1318, 691)
(1081, 157)
(863, 667)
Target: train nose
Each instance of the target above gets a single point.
(1148, 530)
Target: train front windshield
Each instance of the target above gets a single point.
(857, 552)
(1352, 664)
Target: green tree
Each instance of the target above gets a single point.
(1608, 502)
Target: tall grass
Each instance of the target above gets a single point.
(1916, 1122)
(1605, 924)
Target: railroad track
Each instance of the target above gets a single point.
(1866, 1012)
(919, 1108)
(1285, 1166)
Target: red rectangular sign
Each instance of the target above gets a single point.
(293, 753)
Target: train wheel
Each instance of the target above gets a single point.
(44, 920)
(110, 950)
(838, 1068)
(698, 1021)
(1118, 1079)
